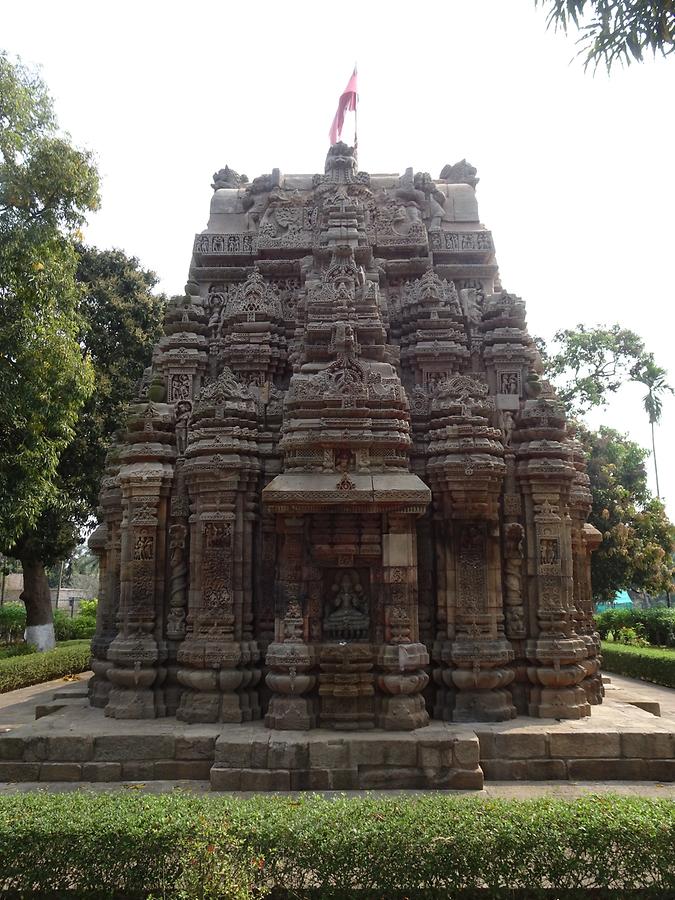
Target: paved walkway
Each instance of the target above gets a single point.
(621, 686)
(18, 707)
(509, 790)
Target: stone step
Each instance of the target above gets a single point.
(46, 709)
(628, 753)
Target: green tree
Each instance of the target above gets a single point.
(587, 365)
(653, 377)
(120, 321)
(614, 31)
(638, 538)
(46, 188)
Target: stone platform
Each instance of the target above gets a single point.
(73, 742)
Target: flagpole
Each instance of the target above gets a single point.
(356, 119)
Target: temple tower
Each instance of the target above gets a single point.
(345, 498)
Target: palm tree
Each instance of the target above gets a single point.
(654, 379)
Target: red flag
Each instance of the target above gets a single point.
(347, 101)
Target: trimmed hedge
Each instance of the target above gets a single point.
(653, 664)
(68, 658)
(656, 624)
(21, 649)
(117, 845)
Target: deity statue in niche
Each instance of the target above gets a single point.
(346, 617)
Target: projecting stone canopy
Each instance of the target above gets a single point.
(345, 499)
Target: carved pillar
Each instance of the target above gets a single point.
(557, 653)
(218, 660)
(515, 590)
(212, 659)
(138, 650)
(178, 585)
(402, 660)
(105, 542)
(466, 469)
(135, 651)
(289, 658)
(479, 653)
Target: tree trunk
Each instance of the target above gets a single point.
(656, 468)
(38, 602)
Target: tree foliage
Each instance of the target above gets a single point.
(119, 323)
(46, 188)
(613, 31)
(638, 538)
(588, 364)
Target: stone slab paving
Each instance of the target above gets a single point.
(522, 790)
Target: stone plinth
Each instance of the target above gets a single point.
(251, 758)
(74, 742)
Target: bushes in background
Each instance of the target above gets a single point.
(79, 627)
(648, 663)
(657, 625)
(83, 625)
(177, 845)
(12, 622)
(69, 658)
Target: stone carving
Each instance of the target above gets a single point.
(343, 454)
(180, 387)
(509, 382)
(346, 618)
(227, 178)
(461, 172)
(175, 628)
(472, 582)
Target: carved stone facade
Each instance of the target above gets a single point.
(344, 499)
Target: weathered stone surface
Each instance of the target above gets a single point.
(609, 769)
(660, 769)
(265, 780)
(137, 770)
(12, 748)
(134, 747)
(101, 771)
(520, 745)
(60, 771)
(505, 770)
(179, 769)
(19, 771)
(647, 744)
(570, 744)
(76, 748)
(467, 750)
(195, 746)
(546, 770)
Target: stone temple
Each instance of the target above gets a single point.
(345, 498)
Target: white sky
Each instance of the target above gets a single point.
(576, 171)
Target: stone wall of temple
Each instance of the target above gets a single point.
(345, 498)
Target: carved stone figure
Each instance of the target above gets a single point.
(227, 178)
(346, 618)
(461, 172)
